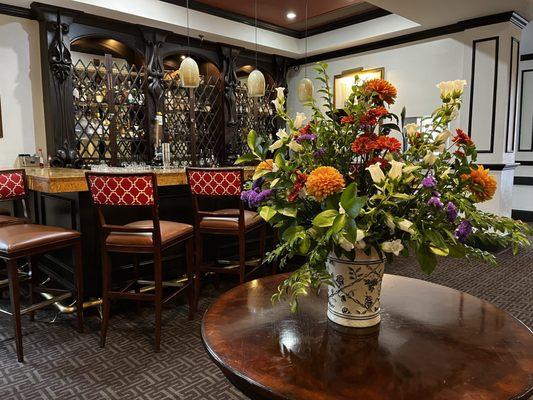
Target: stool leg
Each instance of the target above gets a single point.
(242, 256)
(34, 284)
(78, 272)
(136, 277)
(106, 287)
(158, 298)
(189, 259)
(197, 273)
(14, 292)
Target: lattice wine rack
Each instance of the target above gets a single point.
(258, 114)
(110, 122)
(194, 121)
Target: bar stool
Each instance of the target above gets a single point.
(137, 192)
(20, 240)
(223, 183)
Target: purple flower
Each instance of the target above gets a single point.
(429, 181)
(305, 136)
(463, 230)
(255, 197)
(451, 211)
(434, 201)
(319, 152)
(258, 183)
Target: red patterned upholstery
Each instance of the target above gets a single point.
(121, 190)
(215, 182)
(12, 184)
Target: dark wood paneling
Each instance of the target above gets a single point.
(510, 129)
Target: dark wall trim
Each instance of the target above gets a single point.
(16, 11)
(525, 163)
(523, 215)
(520, 115)
(523, 180)
(461, 26)
(496, 40)
(514, 55)
(500, 167)
(205, 8)
(526, 57)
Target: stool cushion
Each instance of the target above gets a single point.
(9, 220)
(24, 237)
(169, 231)
(222, 222)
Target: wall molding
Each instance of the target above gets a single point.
(523, 180)
(526, 57)
(508, 125)
(496, 39)
(500, 167)
(520, 114)
(524, 215)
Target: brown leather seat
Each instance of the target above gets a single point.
(169, 231)
(16, 238)
(9, 220)
(222, 222)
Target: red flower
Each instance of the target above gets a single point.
(371, 116)
(381, 89)
(459, 153)
(301, 178)
(374, 160)
(364, 144)
(349, 119)
(305, 130)
(388, 143)
(462, 138)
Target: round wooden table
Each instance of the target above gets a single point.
(433, 343)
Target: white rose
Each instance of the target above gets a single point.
(376, 173)
(295, 146)
(392, 246)
(345, 243)
(443, 137)
(411, 130)
(396, 169)
(405, 225)
(430, 158)
(299, 120)
(280, 93)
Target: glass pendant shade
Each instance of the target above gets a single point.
(189, 73)
(256, 84)
(305, 90)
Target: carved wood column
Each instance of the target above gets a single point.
(229, 71)
(56, 64)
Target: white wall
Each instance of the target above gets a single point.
(20, 89)
(414, 69)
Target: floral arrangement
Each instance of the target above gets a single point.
(362, 183)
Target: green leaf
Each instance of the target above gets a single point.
(355, 205)
(279, 160)
(260, 173)
(252, 136)
(289, 211)
(305, 245)
(457, 251)
(325, 218)
(267, 212)
(338, 223)
(348, 194)
(436, 239)
(426, 259)
(292, 233)
(246, 158)
(438, 251)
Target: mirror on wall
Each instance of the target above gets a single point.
(342, 84)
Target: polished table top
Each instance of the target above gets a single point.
(64, 180)
(433, 343)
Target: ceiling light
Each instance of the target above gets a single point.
(291, 15)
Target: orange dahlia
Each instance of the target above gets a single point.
(266, 165)
(381, 88)
(480, 183)
(323, 182)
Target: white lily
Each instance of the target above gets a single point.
(295, 146)
(392, 246)
(443, 137)
(396, 169)
(389, 221)
(299, 120)
(405, 225)
(430, 158)
(376, 173)
(345, 243)
(445, 174)
(411, 130)
(280, 92)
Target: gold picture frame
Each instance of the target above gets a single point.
(342, 83)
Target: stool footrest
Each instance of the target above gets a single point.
(45, 303)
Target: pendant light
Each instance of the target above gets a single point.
(256, 79)
(189, 73)
(305, 86)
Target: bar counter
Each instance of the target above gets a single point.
(68, 180)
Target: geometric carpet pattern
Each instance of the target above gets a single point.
(62, 364)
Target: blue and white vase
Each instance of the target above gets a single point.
(353, 299)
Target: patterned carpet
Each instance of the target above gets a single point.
(61, 364)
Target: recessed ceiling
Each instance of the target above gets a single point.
(322, 14)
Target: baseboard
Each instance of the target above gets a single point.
(524, 215)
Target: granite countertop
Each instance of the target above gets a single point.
(64, 180)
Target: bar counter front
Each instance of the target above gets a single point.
(59, 197)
